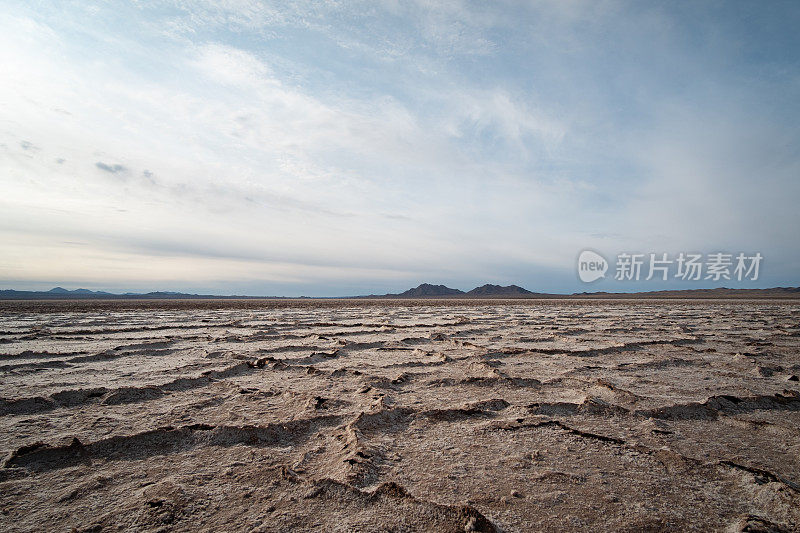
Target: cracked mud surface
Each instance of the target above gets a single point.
(401, 416)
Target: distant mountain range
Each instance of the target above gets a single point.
(497, 290)
(63, 291)
(488, 291)
(425, 290)
(59, 293)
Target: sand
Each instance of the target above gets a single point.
(400, 416)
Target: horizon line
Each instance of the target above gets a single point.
(82, 293)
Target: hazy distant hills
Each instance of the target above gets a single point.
(497, 290)
(722, 292)
(423, 291)
(59, 293)
(489, 291)
(427, 290)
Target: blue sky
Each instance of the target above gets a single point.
(337, 148)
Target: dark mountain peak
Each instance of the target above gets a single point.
(84, 292)
(498, 290)
(168, 293)
(426, 289)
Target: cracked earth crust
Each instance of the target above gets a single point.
(400, 415)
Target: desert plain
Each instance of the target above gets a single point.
(346, 415)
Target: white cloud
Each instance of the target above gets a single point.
(323, 141)
(228, 65)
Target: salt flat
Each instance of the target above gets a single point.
(397, 415)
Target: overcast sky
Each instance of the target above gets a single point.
(339, 148)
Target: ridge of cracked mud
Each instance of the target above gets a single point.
(482, 417)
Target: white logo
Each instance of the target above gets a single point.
(591, 266)
(718, 266)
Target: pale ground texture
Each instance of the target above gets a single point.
(400, 416)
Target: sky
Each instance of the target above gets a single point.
(339, 148)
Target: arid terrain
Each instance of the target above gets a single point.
(400, 416)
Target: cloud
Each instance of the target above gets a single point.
(231, 66)
(28, 146)
(391, 140)
(113, 168)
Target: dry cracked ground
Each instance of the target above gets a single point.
(400, 416)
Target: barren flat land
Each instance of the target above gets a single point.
(345, 415)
